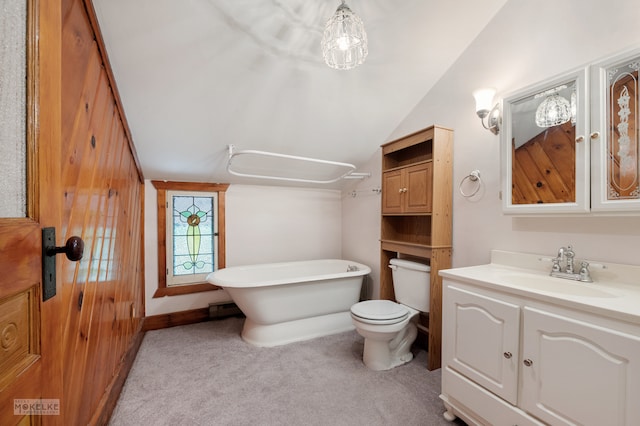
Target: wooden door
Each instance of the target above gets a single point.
(30, 366)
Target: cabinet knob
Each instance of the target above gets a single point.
(400, 190)
(527, 362)
(579, 139)
(507, 355)
(595, 135)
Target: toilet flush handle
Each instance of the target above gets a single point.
(393, 267)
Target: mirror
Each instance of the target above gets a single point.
(545, 153)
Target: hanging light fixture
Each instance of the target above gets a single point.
(554, 110)
(344, 42)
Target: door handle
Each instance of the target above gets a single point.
(73, 249)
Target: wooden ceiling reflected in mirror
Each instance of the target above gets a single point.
(543, 157)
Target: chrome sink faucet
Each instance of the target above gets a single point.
(563, 266)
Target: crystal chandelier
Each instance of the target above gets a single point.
(344, 43)
(554, 110)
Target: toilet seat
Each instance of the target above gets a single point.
(379, 312)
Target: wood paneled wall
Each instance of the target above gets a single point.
(102, 203)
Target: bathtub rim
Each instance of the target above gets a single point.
(215, 279)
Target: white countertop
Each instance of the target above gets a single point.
(615, 291)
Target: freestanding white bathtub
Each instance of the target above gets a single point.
(293, 301)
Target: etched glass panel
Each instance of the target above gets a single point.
(622, 116)
(193, 240)
(13, 112)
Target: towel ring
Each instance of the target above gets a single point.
(474, 176)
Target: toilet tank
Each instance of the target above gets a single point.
(411, 283)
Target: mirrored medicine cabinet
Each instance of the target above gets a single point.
(571, 143)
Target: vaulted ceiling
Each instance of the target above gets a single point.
(195, 76)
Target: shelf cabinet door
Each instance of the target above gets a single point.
(481, 339)
(418, 181)
(578, 372)
(392, 185)
(408, 190)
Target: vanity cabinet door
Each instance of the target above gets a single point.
(481, 339)
(576, 372)
(614, 134)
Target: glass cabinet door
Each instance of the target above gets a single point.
(614, 134)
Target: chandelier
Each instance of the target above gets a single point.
(344, 42)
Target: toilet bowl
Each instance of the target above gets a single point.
(389, 328)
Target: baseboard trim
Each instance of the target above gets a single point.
(173, 319)
(112, 392)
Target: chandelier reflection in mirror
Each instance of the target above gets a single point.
(344, 42)
(554, 110)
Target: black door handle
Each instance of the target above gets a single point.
(73, 249)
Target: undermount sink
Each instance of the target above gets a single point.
(556, 285)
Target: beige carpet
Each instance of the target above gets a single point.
(205, 374)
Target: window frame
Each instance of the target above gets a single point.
(162, 188)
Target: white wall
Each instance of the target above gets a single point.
(526, 42)
(263, 224)
(361, 222)
(280, 224)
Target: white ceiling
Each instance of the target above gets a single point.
(197, 75)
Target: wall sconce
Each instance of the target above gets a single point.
(485, 109)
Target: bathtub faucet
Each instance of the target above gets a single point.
(352, 268)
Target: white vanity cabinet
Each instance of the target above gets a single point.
(512, 359)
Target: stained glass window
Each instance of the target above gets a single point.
(191, 247)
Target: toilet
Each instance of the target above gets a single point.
(388, 327)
